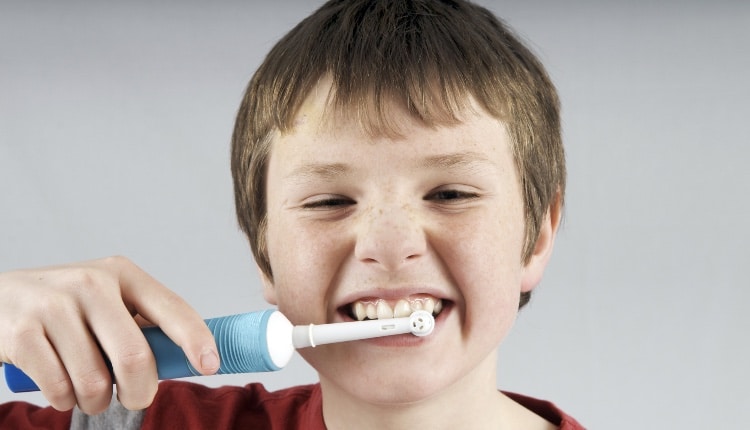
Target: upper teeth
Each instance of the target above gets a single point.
(381, 309)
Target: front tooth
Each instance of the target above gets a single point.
(371, 311)
(402, 309)
(428, 304)
(359, 311)
(384, 310)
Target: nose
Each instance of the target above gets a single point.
(390, 236)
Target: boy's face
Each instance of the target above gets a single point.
(437, 214)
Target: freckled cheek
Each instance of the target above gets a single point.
(488, 280)
(485, 261)
(304, 263)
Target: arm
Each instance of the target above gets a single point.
(57, 322)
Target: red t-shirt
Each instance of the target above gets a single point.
(26, 416)
(184, 406)
(252, 406)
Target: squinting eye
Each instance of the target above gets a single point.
(450, 195)
(329, 203)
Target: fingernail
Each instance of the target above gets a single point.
(209, 360)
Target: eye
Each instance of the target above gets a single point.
(328, 202)
(451, 196)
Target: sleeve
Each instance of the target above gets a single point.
(116, 417)
(22, 415)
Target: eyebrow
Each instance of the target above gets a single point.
(331, 171)
(324, 171)
(457, 160)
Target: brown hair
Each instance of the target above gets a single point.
(428, 56)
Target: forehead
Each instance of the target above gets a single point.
(376, 118)
(326, 143)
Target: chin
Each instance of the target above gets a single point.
(393, 384)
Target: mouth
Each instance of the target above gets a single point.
(376, 308)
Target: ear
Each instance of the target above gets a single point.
(534, 268)
(269, 290)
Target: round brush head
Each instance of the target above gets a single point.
(422, 323)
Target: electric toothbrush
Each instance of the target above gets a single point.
(260, 341)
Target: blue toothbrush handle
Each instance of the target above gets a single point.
(247, 343)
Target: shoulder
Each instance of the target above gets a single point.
(187, 405)
(546, 410)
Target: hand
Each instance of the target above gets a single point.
(57, 321)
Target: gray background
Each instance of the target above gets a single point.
(114, 127)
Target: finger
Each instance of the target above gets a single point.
(84, 364)
(39, 361)
(132, 360)
(179, 321)
(142, 322)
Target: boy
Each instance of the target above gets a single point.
(387, 156)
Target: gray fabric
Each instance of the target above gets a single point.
(116, 417)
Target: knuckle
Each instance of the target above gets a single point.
(80, 277)
(93, 384)
(21, 330)
(43, 311)
(134, 359)
(74, 283)
(55, 306)
(85, 283)
(59, 393)
(117, 261)
(19, 341)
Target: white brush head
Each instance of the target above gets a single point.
(422, 323)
